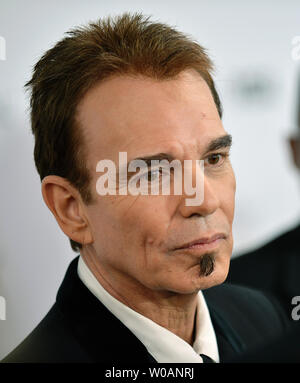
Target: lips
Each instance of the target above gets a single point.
(203, 240)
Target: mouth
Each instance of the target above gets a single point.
(203, 244)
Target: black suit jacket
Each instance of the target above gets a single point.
(274, 267)
(284, 349)
(79, 328)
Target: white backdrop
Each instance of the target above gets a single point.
(250, 43)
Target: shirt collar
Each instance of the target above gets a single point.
(162, 344)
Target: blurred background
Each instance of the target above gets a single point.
(256, 49)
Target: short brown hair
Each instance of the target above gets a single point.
(125, 44)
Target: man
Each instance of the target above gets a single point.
(275, 266)
(146, 285)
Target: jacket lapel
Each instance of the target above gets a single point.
(225, 322)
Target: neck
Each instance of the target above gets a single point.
(173, 311)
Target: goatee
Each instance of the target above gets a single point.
(207, 264)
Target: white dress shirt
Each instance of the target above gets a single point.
(162, 344)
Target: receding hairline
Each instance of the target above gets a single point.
(185, 74)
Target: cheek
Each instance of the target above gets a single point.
(137, 223)
(144, 232)
(106, 226)
(147, 215)
(228, 196)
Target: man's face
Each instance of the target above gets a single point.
(138, 239)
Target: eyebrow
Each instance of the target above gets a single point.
(220, 143)
(215, 144)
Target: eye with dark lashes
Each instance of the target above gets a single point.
(222, 155)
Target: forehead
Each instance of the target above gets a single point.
(142, 115)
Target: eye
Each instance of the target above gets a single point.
(152, 175)
(216, 159)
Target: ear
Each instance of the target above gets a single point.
(295, 149)
(66, 205)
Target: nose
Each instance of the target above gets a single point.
(209, 200)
